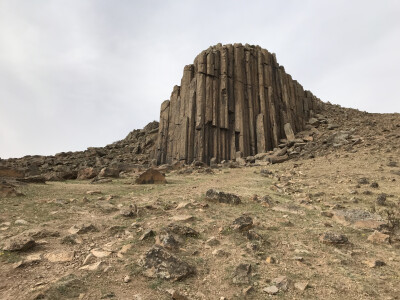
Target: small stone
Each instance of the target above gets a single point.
(212, 242)
(220, 253)
(246, 291)
(298, 258)
(243, 223)
(93, 193)
(183, 218)
(124, 250)
(89, 259)
(167, 240)
(60, 256)
(242, 273)
(147, 234)
(100, 253)
(253, 236)
(72, 239)
(184, 205)
(127, 279)
(332, 126)
(176, 295)
(373, 263)
(82, 229)
(129, 212)
(374, 185)
(270, 260)
(281, 282)
(20, 222)
(363, 180)
(381, 200)
(98, 266)
(301, 285)
(327, 214)
(272, 290)
(333, 238)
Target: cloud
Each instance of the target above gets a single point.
(76, 73)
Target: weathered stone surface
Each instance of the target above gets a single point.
(151, 176)
(60, 256)
(243, 223)
(162, 264)
(109, 172)
(333, 238)
(21, 242)
(232, 98)
(11, 172)
(359, 219)
(87, 173)
(221, 197)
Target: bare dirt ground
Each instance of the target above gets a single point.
(284, 255)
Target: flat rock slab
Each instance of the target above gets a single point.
(358, 218)
(21, 242)
(151, 176)
(98, 266)
(60, 256)
(160, 263)
(100, 253)
(183, 218)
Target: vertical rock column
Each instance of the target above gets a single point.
(232, 98)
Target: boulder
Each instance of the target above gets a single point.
(151, 176)
(160, 263)
(109, 172)
(86, 173)
(21, 242)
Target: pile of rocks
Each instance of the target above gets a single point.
(132, 152)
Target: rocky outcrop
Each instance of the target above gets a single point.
(232, 98)
(135, 150)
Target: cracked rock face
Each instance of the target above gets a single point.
(232, 98)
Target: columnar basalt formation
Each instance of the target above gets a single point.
(232, 98)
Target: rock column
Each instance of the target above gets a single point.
(232, 98)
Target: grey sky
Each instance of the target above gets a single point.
(80, 73)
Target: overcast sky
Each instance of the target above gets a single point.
(80, 73)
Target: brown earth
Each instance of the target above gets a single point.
(324, 224)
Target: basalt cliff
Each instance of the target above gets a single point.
(232, 99)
